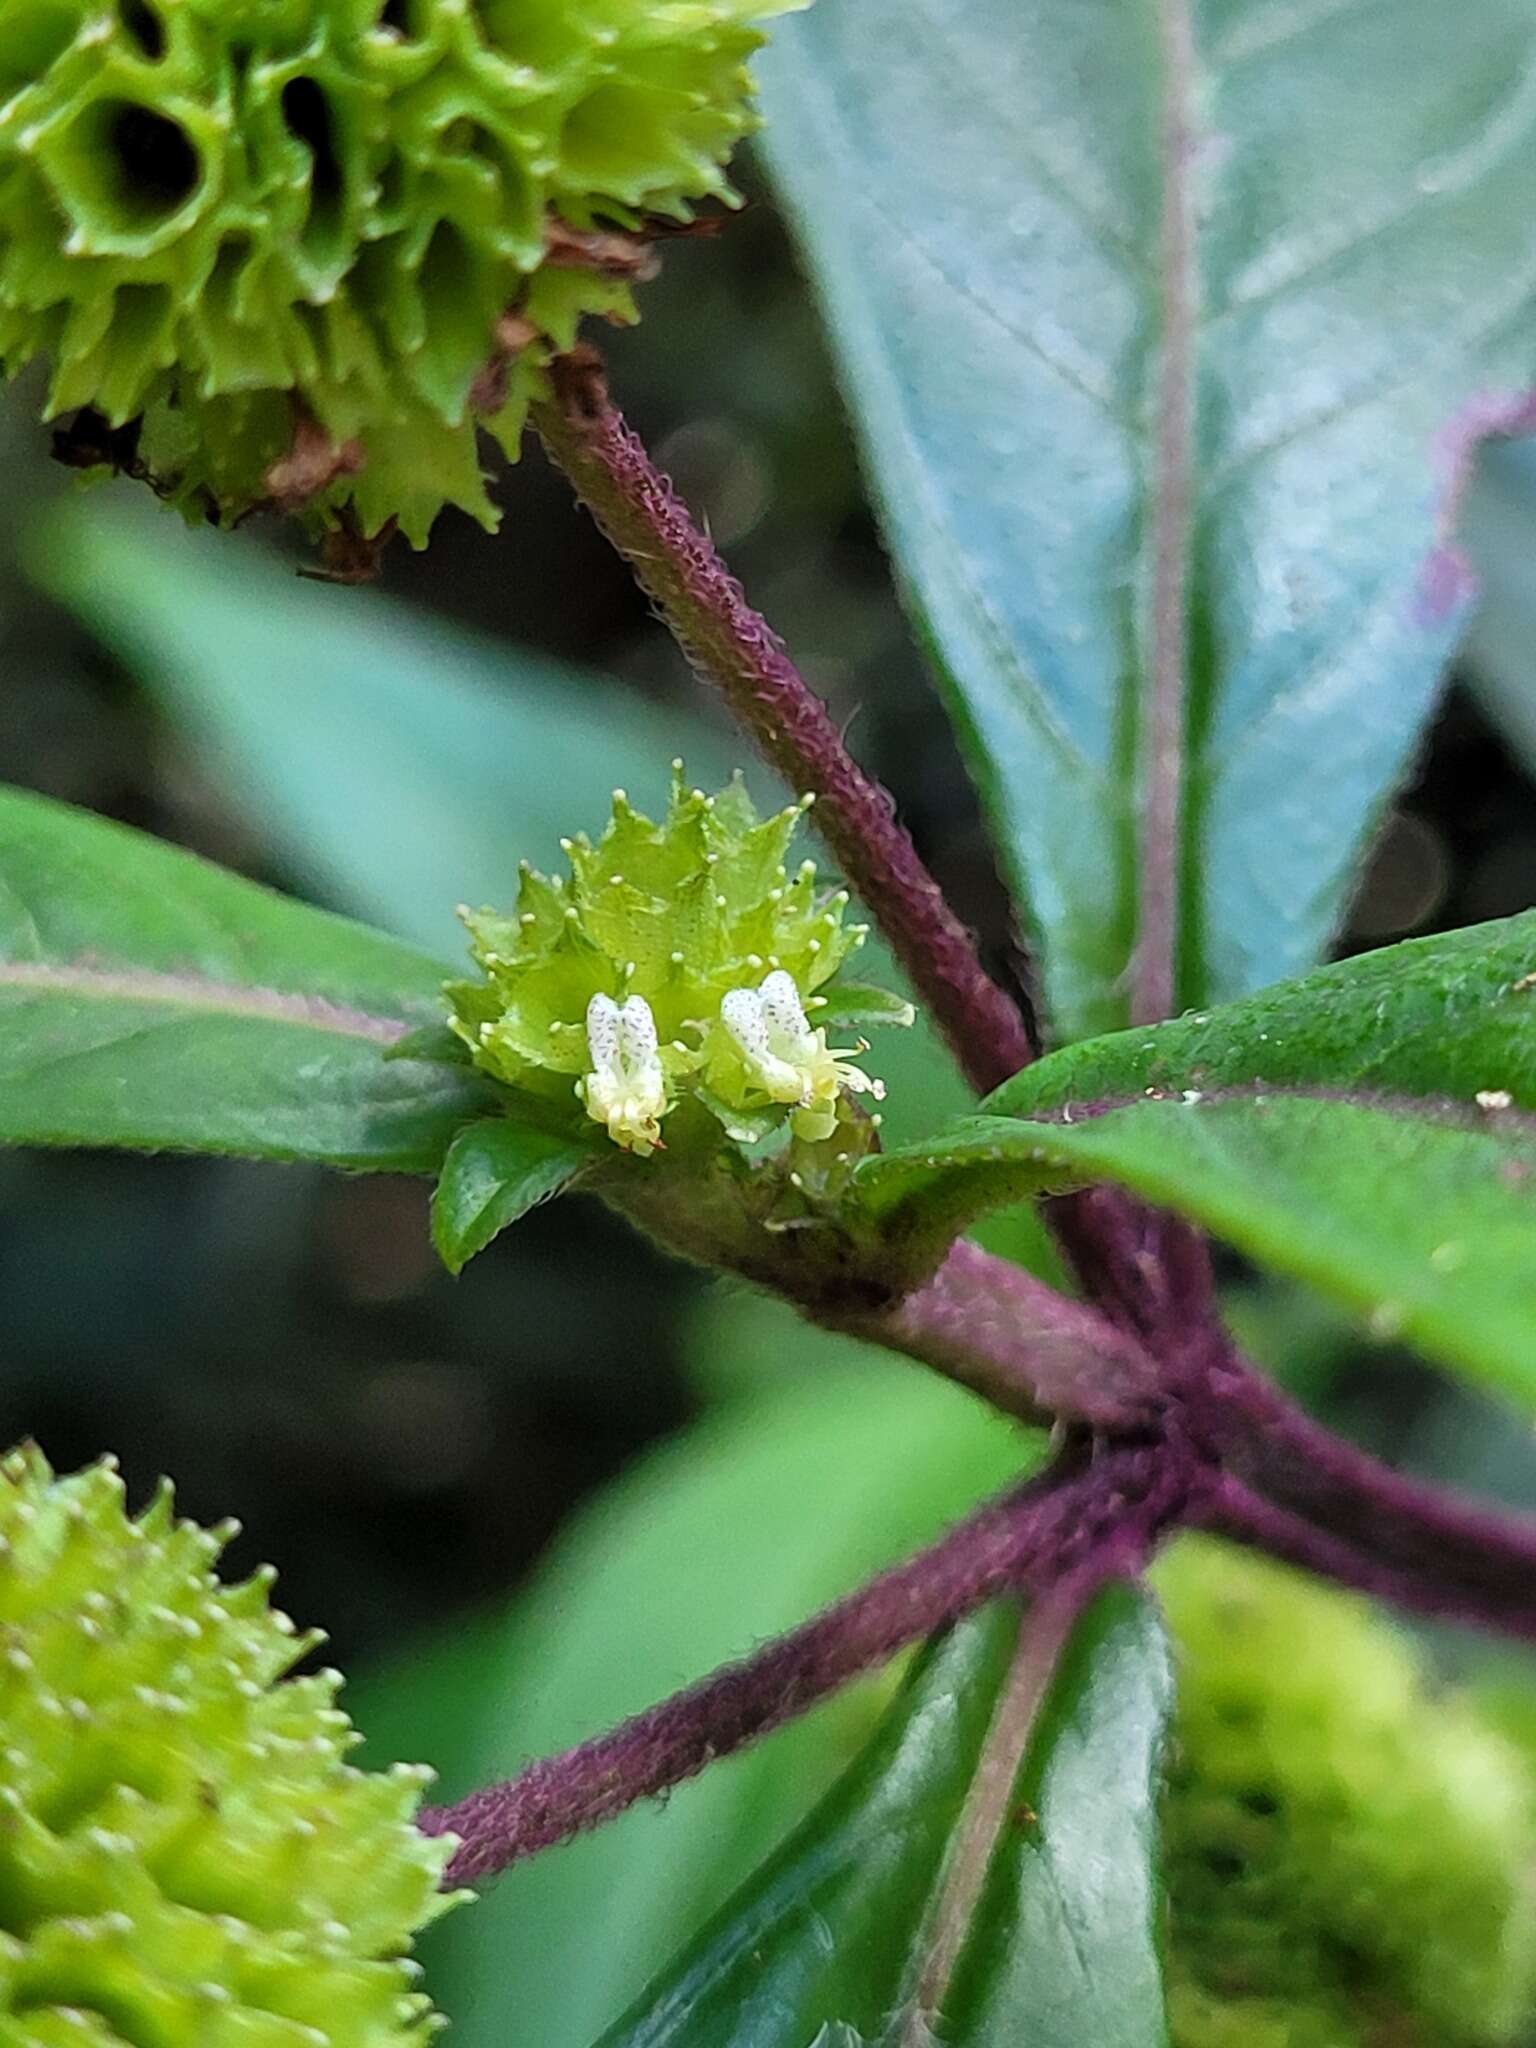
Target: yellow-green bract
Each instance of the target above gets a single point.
(242, 219)
(185, 1855)
(680, 958)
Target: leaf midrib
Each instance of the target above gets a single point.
(214, 998)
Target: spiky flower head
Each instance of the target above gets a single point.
(681, 958)
(311, 243)
(186, 1858)
(1348, 1850)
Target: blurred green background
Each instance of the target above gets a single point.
(408, 1448)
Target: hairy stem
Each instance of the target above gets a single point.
(1154, 974)
(1234, 1510)
(1108, 1509)
(1446, 1554)
(994, 1328)
(1149, 1366)
(733, 648)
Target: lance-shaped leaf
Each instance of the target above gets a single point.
(1169, 327)
(857, 1931)
(149, 999)
(402, 767)
(1453, 1015)
(1419, 1215)
(399, 766)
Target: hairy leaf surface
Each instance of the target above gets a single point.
(1453, 1015)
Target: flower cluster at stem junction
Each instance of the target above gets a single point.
(681, 960)
(186, 1858)
(272, 228)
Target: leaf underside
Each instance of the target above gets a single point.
(981, 192)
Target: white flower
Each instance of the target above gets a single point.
(789, 1061)
(626, 1089)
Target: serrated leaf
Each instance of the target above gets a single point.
(833, 1937)
(1420, 1216)
(402, 766)
(984, 191)
(149, 999)
(496, 1170)
(1453, 1015)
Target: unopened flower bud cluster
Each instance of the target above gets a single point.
(186, 1857)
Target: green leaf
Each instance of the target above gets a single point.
(807, 1479)
(1419, 1216)
(403, 766)
(982, 188)
(496, 1170)
(148, 999)
(1499, 529)
(1454, 1015)
(853, 1002)
(1061, 1945)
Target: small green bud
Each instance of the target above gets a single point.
(1349, 1850)
(185, 1856)
(312, 244)
(680, 958)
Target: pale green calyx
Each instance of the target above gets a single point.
(314, 244)
(681, 960)
(186, 1858)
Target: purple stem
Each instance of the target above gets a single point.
(1110, 1237)
(1107, 1511)
(1214, 1442)
(732, 647)
(1463, 1558)
(1147, 1270)
(1234, 1510)
(1047, 1628)
(994, 1328)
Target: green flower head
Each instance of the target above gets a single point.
(186, 1858)
(680, 958)
(312, 244)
